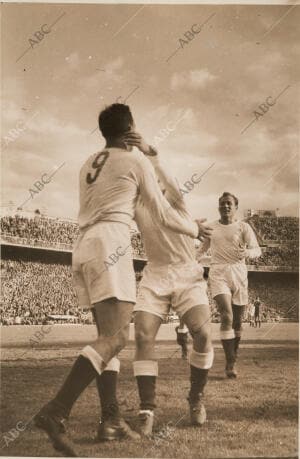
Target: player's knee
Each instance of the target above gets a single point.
(200, 331)
(227, 318)
(143, 338)
(201, 336)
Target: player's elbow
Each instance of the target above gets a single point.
(257, 253)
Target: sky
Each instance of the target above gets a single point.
(204, 89)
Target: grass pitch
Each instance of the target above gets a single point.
(255, 415)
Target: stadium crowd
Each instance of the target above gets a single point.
(49, 232)
(32, 292)
(137, 245)
(283, 255)
(275, 228)
(39, 228)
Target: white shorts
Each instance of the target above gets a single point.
(102, 264)
(230, 279)
(179, 285)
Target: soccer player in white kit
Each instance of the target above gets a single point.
(172, 276)
(110, 183)
(230, 243)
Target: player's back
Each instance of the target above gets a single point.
(107, 189)
(163, 246)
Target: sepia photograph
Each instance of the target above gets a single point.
(150, 229)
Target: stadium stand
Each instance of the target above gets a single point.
(278, 237)
(32, 230)
(34, 290)
(48, 232)
(275, 228)
(37, 279)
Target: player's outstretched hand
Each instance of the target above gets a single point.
(136, 140)
(204, 229)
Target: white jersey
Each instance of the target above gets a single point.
(227, 240)
(163, 246)
(110, 183)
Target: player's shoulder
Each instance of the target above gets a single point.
(140, 165)
(128, 157)
(244, 225)
(87, 164)
(91, 158)
(140, 159)
(213, 224)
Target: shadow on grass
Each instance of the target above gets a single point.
(278, 411)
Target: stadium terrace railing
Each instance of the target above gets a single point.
(38, 244)
(57, 246)
(64, 247)
(273, 268)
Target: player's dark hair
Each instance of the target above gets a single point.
(226, 194)
(115, 120)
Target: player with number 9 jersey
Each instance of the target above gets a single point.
(110, 183)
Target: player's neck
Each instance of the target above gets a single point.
(226, 220)
(112, 143)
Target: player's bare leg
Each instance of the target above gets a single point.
(227, 333)
(238, 313)
(114, 317)
(145, 367)
(198, 321)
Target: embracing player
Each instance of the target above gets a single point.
(172, 277)
(110, 183)
(232, 241)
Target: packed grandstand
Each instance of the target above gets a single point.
(37, 279)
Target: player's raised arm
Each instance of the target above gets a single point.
(154, 199)
(173, 194)
(158, 206)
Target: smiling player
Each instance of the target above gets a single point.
(231, 242)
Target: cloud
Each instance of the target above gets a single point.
(201, 108)
(73, 61)
(47, 142)
(106, 76)
(114, 66)
(193, 79)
